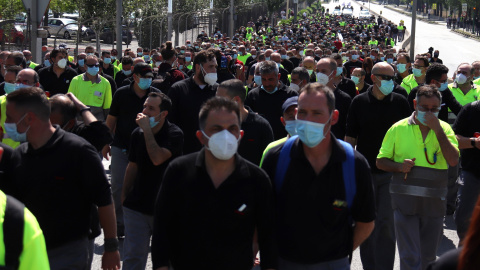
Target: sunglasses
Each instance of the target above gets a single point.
(385, 77)
(94, 65)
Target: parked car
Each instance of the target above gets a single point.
(108, 36)
(62, 27)
(336, 12)
(347, 12)
(16, 35)
(364, 14)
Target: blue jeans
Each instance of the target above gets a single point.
(138, 231)
(118, 167)
(378, 250)
(468, 191)
(341, 264)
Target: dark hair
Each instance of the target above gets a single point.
(321, 88)
(336, 56)
(55, 52)
(65, 107)
(435, 72)
(268, 67)
(469, 259)
(168, 52)
(428, 91)
(14, 69)
(302, 73)
(105, 53)
(424, 59)
(407, 57)
(367, 64)
(127, 60)
(234, 88)
(18, 59)
(31, 99)
(165, 104)
(202, 57)
(217, 103)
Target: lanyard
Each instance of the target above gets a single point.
(434, 157)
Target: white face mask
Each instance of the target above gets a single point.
(62, 63)
(323, 78)
(461, 79)
(210, 78)
(294, 87)
(223, 144)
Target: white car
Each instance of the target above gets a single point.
(347, 12)
(364, 14)
(337, 12)
(62, 27)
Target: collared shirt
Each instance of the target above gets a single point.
(312, 227)
(404, 140)
(203, 227)
(52, 83)
(472, 95)
(96, 94)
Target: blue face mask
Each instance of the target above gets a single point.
(107, 60)
(9, 87)
(146, 57)
(417, 72)
(153, 123)
(12, 133)
(339, 71)
(235, 56)
(284, 56)
(477, 77)
(127, 72)
(278, 65)
(291, 127)
(382, 58)
(372, 56)
(355, 57)
(93, 71)
(421, 116)
(188, 58)
(47, 63)
(114, 57)
(274, 90)
(443, 86)
(402, 68)
(145, 83)
(20, 86)
(389, 60)
(182, 51)
(355, 79)
(81, 62)
(258, 79)
(267, 58)
(140, 53)
(386, 87)
(311, 133)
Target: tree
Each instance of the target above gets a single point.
(10, 8)
(63, 6)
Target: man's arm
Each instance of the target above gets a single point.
(110, 259)
(129, 180)
(466, 143)
(361, 232)
(389, 165)
(87, 115)
(449, 151)
(157, 154)
(111, 123)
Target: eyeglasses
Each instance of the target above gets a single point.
(385, 77)
(417, 66)
(94, 65)
(432, 110)
(443, 81)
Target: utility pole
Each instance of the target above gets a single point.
(412, 33)
(210, 19)
(295, 7)
(231, 24)
(118, 18)
(169, 20)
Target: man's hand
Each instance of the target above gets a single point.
(111, 260)
(76, 101)
(432, 121)
(106, 152)
(477, 142)
(407, 165)
(143, 121)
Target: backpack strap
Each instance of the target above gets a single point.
(13, 226)
(348, 168)
(283, 163)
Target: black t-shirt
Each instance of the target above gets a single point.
(448, 99)
(53, 84)
(295, 61)
(270, 106)
(342, 104)
(311, 228)
(466, 124)
(198, 226)
(119, 78)
(96, 133)
(348, 86)
(369, 119)
(256, 137)
(149, 177)
(366, 86)
(125, 107)
(110, 79)
(58, 183)
(7, 163)
(187, 99)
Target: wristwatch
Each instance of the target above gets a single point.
(472, 141)
(85, 109)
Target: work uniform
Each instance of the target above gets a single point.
(97, 94)
(409, 83)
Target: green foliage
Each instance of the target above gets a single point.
(63, 6)
(10, 8)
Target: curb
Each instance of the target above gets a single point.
(466, 34)
(410, 15)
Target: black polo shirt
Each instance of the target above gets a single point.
(270, 106)
(96, 133)
(58, 183)
(348, 86)
(109, 71)
(342, 104)
(257, 134)
(369, 119)
(187, 99)
(311, 229)
(120, 78)
(125, 107)
(149, 177)
(198, 226)
(466, 124)
(448, 100)
(53, 84)
(110, 79)
(7, 163)
(365, 88)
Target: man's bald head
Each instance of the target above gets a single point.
(276, 57)
(28, 77)
(309, 63)
(268, 52)
(383, 68)
(63, 110)
(138, 60)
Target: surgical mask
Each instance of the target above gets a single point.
(386, 87)
(394, 54)
(182, 51)
(158, 63)
(284, 56)
(443, 86)
(301, 53)
(188, 58)
(389, 60)
(461, 79)
(9, 87)
(20, 86)
(62, 63)
(93, 70)
(291, 127)
(12, 133)
(355, 79)
(180, 67)
(278, 65)
(90, 53)
(145, 83)
(382, 58)
(402, 68)
(107, 60)
(139, 53)
(258, 80)
(114, 57)
(209, 78)
(294, 87)
(417, 72)
(127, 72)
(81, 62)
(153, 123)
(274, 90)
(372, 56)
(223, 145)
(146, 57)
(254, 56)
(322, 78)
(267, 58)
(344, 58)
(421, 116)
(476, 77)
(235, 56)
(47, 63)
(339, 71)
(311, 133)
(28, 62)
(355, 57)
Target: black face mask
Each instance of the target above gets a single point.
(435, 55)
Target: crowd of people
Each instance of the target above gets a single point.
(285, 146)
